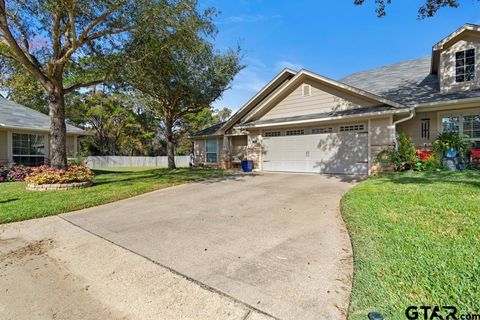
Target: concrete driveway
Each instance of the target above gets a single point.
(273, 242)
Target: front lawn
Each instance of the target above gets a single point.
(416, 241)
(18, 204)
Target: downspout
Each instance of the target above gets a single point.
(394, 126)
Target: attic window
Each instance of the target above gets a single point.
(465, 65)
(306, 90)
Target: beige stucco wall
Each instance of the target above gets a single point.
(3, 146)
(380, 138)
(413, 128)
(447, 65)
(323, 98)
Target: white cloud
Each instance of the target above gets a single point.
(280, 65)
(248, 18)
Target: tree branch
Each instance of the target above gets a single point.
(83, 85)
(18, 52)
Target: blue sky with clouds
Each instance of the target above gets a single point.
(333, 38)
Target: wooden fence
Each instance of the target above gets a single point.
(120, 161)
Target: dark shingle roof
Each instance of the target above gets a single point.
(332, 114)
(16, 116)
(408, 82)
(208, 131)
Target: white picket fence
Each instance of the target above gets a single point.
(120, 161)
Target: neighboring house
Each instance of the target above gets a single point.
(305, 122)
(24, 135)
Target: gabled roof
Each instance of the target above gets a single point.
(408, 82)
(303, 75)
(468, 28)
(279, 80)
(16, 116)
(452, 36)
(210, 131)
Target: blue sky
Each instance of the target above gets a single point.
(333, 38)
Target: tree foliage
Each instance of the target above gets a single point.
(69, 44)
(178, 70)
(117, 125)
(428, 9)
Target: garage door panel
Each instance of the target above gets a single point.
(345, 152)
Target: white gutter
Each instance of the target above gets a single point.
(394, 126)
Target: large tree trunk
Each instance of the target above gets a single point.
(58, 130)
(170, 142)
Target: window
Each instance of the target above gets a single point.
(294, 132)
(451, 124)
(465, 65)
(28, 149)
(471, 126)
(211, 151)
(272, 134)
(426, 128)
(306, 90)
(465, 123)
(322, 130)
(352, 127)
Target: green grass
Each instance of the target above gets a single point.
(18, 204)
(416, 241)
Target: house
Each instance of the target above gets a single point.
(24, 135)
(305, 122)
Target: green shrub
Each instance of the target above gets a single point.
(403, 158)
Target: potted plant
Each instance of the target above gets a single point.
(453, 147)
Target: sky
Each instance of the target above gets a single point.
(333, 38)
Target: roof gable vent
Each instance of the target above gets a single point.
(306, 90)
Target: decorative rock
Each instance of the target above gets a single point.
(59, 186)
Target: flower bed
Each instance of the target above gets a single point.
(48, 178)
(14, 174)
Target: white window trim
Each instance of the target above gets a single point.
(459, 114)
(12, 155)
(474, 66)
(206, 157)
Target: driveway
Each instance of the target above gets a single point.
(273, 242)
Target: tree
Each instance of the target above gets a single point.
(69, 44)
(192, 123)
(21, 87)
(425, 11)
(116, 124)
(183, 73)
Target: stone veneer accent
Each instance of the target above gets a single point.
(59, 186)
(377, 167)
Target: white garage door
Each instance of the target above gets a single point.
(342, 153)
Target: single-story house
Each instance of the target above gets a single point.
(24, 135)
(302, 121)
